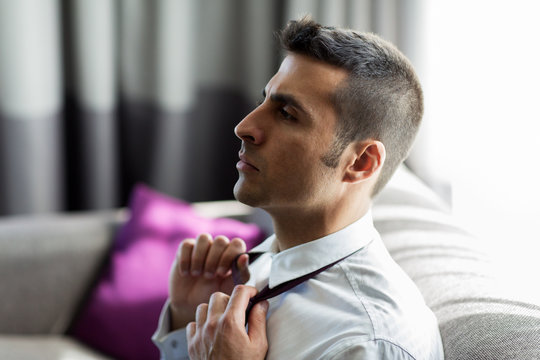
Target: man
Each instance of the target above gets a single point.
(336, 121)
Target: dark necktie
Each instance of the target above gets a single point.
(267, 293)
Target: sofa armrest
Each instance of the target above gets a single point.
(47, 264)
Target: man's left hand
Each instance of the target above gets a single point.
(219, 331)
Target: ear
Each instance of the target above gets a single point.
(368, 159)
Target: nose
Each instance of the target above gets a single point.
(248, 129)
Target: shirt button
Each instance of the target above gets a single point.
(174, 344)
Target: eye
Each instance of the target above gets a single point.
(285, 114)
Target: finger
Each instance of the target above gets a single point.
(257, 323)
(198, 256)
(201, 314)
(217, 305)
(219, 244)
(243, 266)
(184, 256)
(239, 301)
(236, 246)
(191, 330)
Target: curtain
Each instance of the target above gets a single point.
(97, 95)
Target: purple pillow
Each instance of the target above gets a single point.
(123, 310)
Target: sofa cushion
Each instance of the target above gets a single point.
(45, 347)
(122, 312)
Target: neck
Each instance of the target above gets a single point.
(294, 227)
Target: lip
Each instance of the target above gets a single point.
(244, 164)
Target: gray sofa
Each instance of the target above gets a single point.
(48, 264)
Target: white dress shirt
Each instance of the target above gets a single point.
(364, 307)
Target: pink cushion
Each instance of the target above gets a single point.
(123, 309)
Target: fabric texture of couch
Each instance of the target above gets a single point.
(49, 265)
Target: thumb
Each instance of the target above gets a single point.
(257, 322)
(243, 267)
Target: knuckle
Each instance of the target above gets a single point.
(221, 240)
(210, 326)
(204, 238)
(214, 297)
(238, 243)
(240, 288)
(196, 263)
(187, 244)
(184, 263)
(201, 310)
(227, 323)
(219, 297)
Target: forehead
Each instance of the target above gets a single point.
(311, 81)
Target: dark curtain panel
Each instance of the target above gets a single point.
(97, 95)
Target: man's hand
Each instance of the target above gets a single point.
(219, 331)
(202, 267)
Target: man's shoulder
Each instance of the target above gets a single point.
(355, 348)
(374, 275)
(391, 302)
(362, 304)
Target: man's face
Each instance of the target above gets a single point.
(285, 138)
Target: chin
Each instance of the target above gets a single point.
(244, 196)
(246, 199)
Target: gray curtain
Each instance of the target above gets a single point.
(97, 95)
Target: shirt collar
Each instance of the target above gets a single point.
(305, 258)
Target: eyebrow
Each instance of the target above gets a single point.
(287, 99)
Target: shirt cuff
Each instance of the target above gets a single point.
(171, 345)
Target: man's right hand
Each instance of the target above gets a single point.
(201, 268)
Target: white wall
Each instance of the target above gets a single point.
(482, 85)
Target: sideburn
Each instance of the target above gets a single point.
(332, 156)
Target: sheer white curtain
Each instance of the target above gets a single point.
(96, 95)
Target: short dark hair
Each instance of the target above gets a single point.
(381, 98)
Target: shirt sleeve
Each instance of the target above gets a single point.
(366, 350)
(171, 345)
